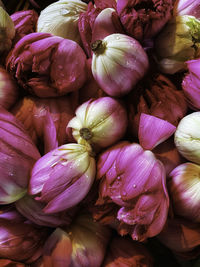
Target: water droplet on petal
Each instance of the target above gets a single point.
(124, 193)
(134, 186)
(118, 178)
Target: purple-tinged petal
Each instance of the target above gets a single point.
(153, 131)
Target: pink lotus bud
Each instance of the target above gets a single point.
(191, 84)
(127, 253)
(87, 19)
(21, 241)
(142, 20)
(168, 154)
(48, 65)
(133, 180)
(182, 237)
(99, 122)
(153, 131)
(17, 156)
(83, 244)
(184, 186)
(24, 22)
(107, 22)
(8, 89)
(63, 177)
(33, 210)
(158, 97)
(46, 120)
(187, 7)
(118, 63)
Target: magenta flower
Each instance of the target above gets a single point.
(20, 240)
(132, 187)
(48, 65)
(125, 252)
(82, 244)
(24, 22)
(33, 211)
(46, 119)
(157, 96)
(191, 84)
(17, 157)
(63, 177)
(143, 19)
(182, 237)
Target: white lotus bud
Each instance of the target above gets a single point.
(61, 19)
(187, 137)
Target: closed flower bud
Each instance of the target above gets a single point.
(48, 65)
(46, 119)
(118, 63)
(127, 253)
(132, 180)
(177, 43)
(17, 157)
(83, 244)
(187, 137)
(182, 237)
(63, 177)
(184, 186)
(21, 241)
(33, 211)
(143, 20)
(99, 122)
(156, 96)
(8, 89)
(191, 84)
(61, 19)
(24, 22)
(7, 31)
(187, 7)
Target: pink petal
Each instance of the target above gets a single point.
(153, 131)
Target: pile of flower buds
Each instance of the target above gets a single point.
(100, 133)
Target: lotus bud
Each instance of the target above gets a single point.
(21, 241)
(132, 185)
(177, 43)
(8, 89)
(106, 23)
(142, 20)
(118, 63)
(99, 122)
(125, 252)
(187, 136)
(47, 65)
(63, 177)
(33, 211)
(61, 19)
(184, 190)
(24, 22)
(7, 31)
(188, 7)
(191, 84)
(182, 237)
(45, 120)
(153, 131)
(156, 96)
(83, 244)
(17, 157)
(168, 154)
